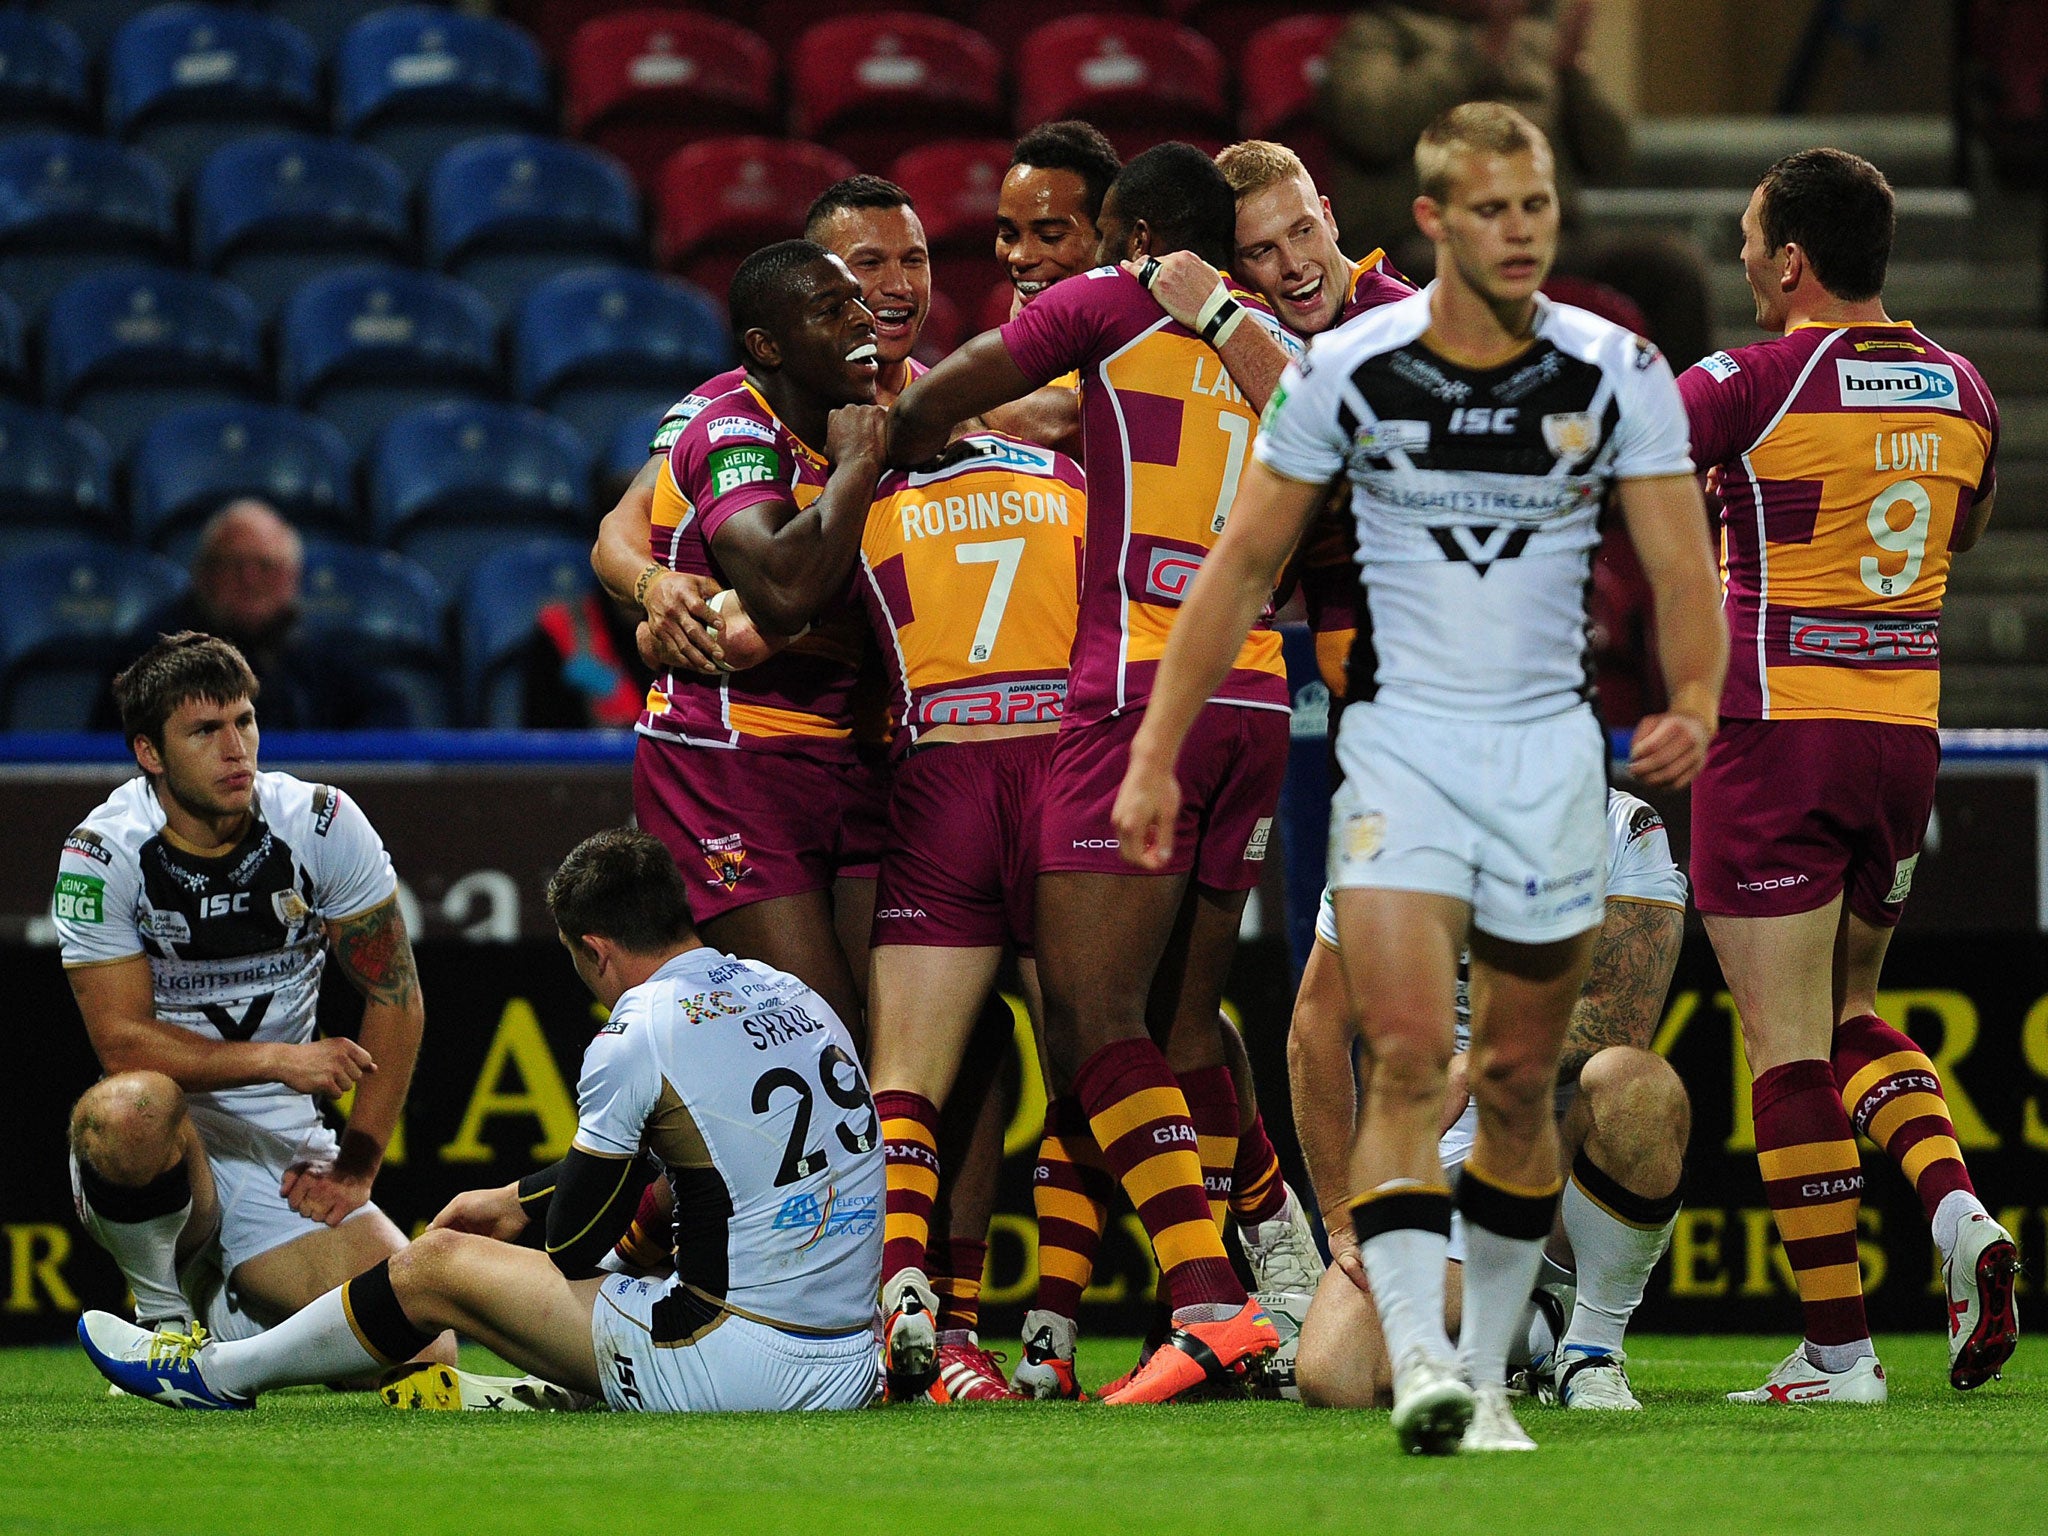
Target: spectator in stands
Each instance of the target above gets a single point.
(1395, 67)
(245, 589)
(583, 667)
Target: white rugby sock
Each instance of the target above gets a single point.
(1404, 1240)
(140, 1227)
(1505, 1230)
(1614, 1258)
(314, 1344)
(1956, 1207)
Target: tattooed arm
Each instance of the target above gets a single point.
(374, 953)
(1624, 993)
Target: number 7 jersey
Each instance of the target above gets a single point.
(1844, 459)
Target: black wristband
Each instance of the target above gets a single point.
(1148, 272)
(1222, 318)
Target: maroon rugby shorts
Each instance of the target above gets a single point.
(746, 825)
(1230, 772)
(1789, 814)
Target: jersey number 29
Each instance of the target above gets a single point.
(851, 1094)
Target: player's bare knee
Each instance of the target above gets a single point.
(1407, 1066)
(1637, 1104)
(423, 1265)
(130, 1127)
(1517, 1084)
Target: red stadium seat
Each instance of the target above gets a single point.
(1006, 23)
(1140, 79)
(1227, 23)
(955, 185)
(945, 327)
(787, 20)
(873, 86)
(722, 198)
(554, 23)
(641, 84)
(1278, 74)
(995, 308)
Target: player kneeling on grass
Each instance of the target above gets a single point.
(733, 1079)
(1623, 1118)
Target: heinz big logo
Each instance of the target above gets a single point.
(1887, 384)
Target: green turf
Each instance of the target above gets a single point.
(307, 1463)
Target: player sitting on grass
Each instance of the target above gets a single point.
(734, 1080)
(1622, 1118)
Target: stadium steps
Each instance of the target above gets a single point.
(1915, 151)
(1995, 627)
(1993, 694)
(2010, 562)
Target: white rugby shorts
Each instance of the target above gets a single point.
(1511, 818)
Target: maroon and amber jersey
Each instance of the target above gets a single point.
(1843, 459)
(1374, 282)
(1166, 436)
(970, 574)
(736, 454)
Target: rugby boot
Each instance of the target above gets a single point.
(1282, 1253)
(1983, 1318)
(420, 1386)
(1047, 1370)
(163, 1366)
(1432, 1405)
(910, 1338)
(1798, 1380)
(1493, 1426)
(967, 1373)
(1588, 1379)
(1197, 1355)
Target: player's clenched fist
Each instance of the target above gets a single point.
(1669, 749)
(857, 433)
(1147, 806)
(325, 1068)
(681, 629)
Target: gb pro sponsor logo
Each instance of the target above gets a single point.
(1891, 384)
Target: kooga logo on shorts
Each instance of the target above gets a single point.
(1887, 384)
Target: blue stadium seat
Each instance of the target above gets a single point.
(182, 80)
(270, 212)
(367, 344)
(625, 453)
(191, 463)
(597, 347)
(14, 374)
(95, 21)
(56, 479)
(325, 22)
(66, 614)
(506, 211)
(497, 609)
(122, 348)
(71, 205)
(415, 81)
(384, 611)
(44, 77)
(448, 482)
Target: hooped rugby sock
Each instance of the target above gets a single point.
(1813, 1181)
(1404, 1238)
(354, 1329)
(1212, 1110)
(1140, 1120)
(957, 1266)
(1071, 1191)
(910, 1136)
(1893, 1095)
(1257, 1191)
(140, 1225)
(1617, 1237)
(1506, 1226)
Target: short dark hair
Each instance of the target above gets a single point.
(621, 885)
(1838, 208)
(1183, 199)
(760, 288)
(1071, 145)
(862, 191)
(174, 671)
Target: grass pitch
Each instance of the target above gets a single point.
(309, 1462)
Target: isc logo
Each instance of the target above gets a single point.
(1470, 419)
(223, 904)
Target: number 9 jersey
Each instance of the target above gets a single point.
(1844, 458)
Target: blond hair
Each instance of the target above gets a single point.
(1257, 164)
(1475, 128)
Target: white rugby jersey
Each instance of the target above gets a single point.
(744, 1084)
(235, 943)
(1639, 868)
(1477, 494)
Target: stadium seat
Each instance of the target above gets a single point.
(641, 84)
(1278, 74)
(722, 198)
(449, 483)
(625, 452)
(272, 211)
(67, 612)
(71, 205)
(123, 348)
(325, 22)
(955, 185)
(508, 211)
(192, 462)
(56, 479)
(1006, 23)
(597, 347)
(1140, 79)
(416, 80)
(44, 76)
(874, 86)
(384, 611)
(554, 23)
(504, 594)
(94, 22)
(14, 375)
(366, 344)
(783, 21)
(182, 80)
(1228, 23)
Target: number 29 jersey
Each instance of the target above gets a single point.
(1843, 459)
(743, 1082)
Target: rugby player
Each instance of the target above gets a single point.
(196, 908)
(1623, 1124)
(1166, 426)
(1481, 427)
(735, 1082)
(1852, 458)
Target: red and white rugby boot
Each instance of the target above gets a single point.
(969, 1374)
(1798, 1380)
(1983, 1319)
